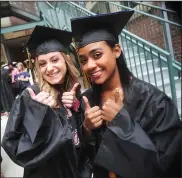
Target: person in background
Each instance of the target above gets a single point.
(22, 78)
(21, 68)
(133, 128)
(44, 130)
(7, 94)
(12, 71)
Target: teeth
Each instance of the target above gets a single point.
(96, 73)
(53, 75)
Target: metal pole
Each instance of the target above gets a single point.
(171, 79)
(167, 33)
(57, 18)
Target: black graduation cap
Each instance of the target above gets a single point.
(100, 27)
(44, 40)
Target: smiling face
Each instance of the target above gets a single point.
(52, 67)
(98, 60)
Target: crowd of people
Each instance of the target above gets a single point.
(121, 127)
(14, 79)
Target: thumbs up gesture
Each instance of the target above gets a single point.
(42, 97)
(93, 116)
(69, 98)
(111, 108)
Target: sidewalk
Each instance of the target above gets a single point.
(8, 168)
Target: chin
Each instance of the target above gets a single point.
(55, 82)
(98, 82)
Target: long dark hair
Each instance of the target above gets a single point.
(125, 76)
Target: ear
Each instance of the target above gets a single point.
(117, 50)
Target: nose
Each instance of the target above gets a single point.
(91, 64)
(49, 67)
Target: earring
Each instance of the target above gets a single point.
(117, 57)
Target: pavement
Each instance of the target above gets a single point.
(8, 167)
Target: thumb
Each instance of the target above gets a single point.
(31, 92)
(75, 86)
(118, 96)
(87, 105)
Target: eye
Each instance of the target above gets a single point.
(83, 61)
(97, 55)
(55, 60)
(42, 64)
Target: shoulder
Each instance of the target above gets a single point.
(147, 97)
(150, 98)
(149, 105)
(143, 88)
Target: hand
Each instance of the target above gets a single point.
(111, 108)
(42, 97)
(69, 98)
(93, 116)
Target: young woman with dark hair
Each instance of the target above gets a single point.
(133, 129)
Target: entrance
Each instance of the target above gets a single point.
(14, 49)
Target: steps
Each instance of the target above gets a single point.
(149, 71)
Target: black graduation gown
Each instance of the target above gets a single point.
(41, 140)
(142, 141)
(7, 95)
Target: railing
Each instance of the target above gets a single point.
(153, 23)
(142, 57)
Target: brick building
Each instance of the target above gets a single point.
(146, 27)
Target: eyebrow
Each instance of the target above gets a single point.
(90, 52)
(50, 58)
(54, 56)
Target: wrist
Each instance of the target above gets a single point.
(86, 128)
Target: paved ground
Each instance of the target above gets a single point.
(8, 168)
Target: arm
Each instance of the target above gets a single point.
(24, 79)
(146, 151)
(34, 132)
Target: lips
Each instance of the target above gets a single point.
(53, 75)
(96, 75)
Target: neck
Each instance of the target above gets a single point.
(113, 82)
